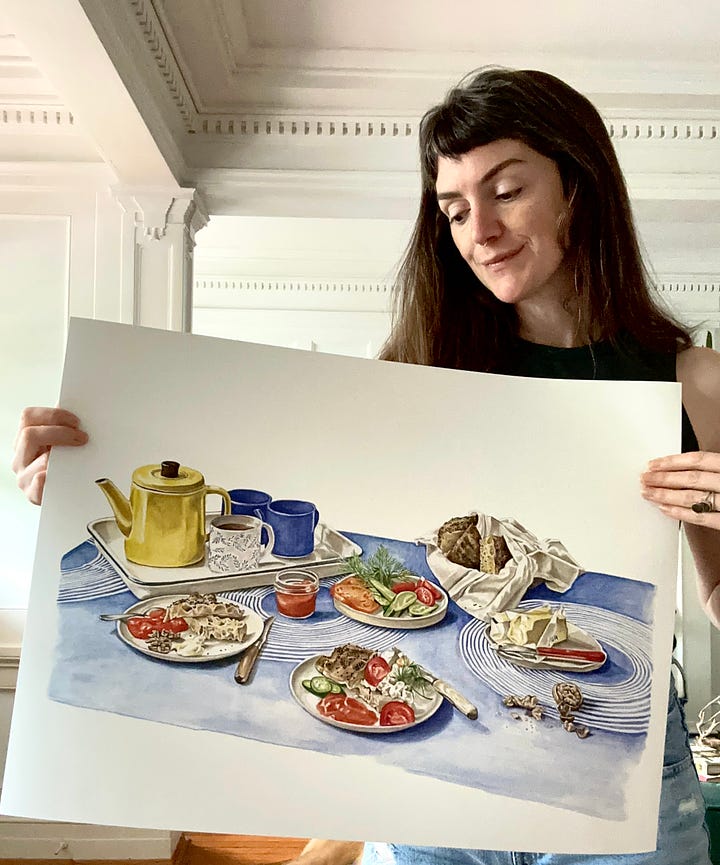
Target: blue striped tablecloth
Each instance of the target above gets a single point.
(94, 669)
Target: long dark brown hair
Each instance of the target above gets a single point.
(444, 315)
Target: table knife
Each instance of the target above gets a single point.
(575, 654)
(451, 695)
(247, 661)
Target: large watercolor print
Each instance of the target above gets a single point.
(412, 591)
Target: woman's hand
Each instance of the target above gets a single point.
(676, 483)
(42, 429)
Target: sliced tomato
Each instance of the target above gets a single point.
(175, 626)
(157, 614)
(353, 592)
(426, 584)
(141, 627)
(425, 596)
(396, 713)
(339, 707)
(376, 669)
(404, 586)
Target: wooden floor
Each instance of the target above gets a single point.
(201, 849)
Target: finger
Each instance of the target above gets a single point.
(707, 481)
(47, 416)
(710, 520)
(34, 493)
(699, 460)
(31, 479)
(33, 441)
(673, 498)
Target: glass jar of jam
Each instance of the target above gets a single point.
(296, 593)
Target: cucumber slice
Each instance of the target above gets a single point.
(336, 689)
(307, 684)
(320, 686)
(402, 601)
(418, 609)
(387, 593)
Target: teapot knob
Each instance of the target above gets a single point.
(169, 469)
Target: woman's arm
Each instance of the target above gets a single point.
(319, 852)
(677, 482)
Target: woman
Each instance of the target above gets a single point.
(524, 260)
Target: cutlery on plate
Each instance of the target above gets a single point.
(576, 654)
(118, 617)
(553, 652)
(249, 657)
(451, 695)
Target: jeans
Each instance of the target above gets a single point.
(682, 837)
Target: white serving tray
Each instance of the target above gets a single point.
(326, 560)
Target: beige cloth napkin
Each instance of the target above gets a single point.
(482, 594)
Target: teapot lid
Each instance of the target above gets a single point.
(168, 477)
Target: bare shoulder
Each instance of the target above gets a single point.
(698, 370)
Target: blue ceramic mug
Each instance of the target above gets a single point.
(252, 503)
(293, 522)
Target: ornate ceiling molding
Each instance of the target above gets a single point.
(661, 128)
(36, 119)
(158, 46)
(238, 291)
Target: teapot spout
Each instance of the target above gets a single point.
(119, 504)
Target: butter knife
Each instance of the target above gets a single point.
(249, 657)
(451, 695)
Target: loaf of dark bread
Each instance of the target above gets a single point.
(459, 540)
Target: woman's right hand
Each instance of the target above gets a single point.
(41, 429)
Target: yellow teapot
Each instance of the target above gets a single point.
(164, 520)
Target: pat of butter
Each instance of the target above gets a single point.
(529, 628)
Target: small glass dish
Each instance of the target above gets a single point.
(296, 592)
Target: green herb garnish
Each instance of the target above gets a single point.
(413, 679)
(381, 566)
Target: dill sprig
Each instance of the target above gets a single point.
(381, 566)
(413, 679)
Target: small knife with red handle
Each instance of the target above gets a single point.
(576, 654)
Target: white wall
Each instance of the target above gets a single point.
(61, 245)
(32, 340)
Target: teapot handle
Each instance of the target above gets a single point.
(227, 504)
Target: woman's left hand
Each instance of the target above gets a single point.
(676, 483)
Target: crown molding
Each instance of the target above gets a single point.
(280, 292)
(638, 126)
(36, 119)
(154, 36)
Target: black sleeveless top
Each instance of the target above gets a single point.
(602, 361)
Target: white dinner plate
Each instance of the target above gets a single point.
(424, 707)
(403, 622)
(212, 651)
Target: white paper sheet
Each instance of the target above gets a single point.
(386, 451)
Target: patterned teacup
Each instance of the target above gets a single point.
(235, 544)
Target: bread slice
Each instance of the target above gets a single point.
(493, 554)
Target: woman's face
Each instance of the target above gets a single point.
(505, 202)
